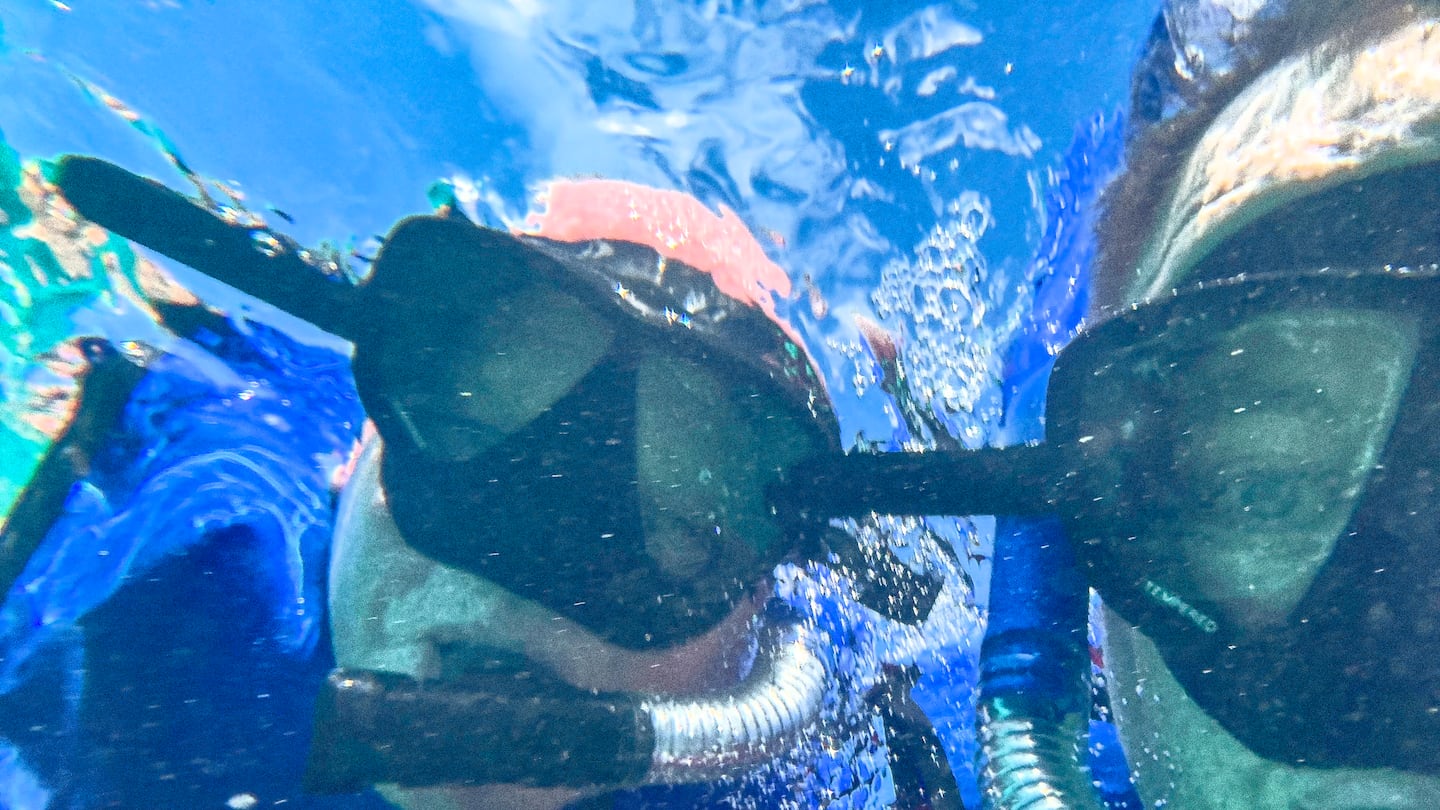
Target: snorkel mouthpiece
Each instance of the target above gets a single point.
(523, 726)
(501, 727)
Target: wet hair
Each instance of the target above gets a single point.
(1170, 113)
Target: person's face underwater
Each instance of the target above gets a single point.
(1281, 402)
(636, 455)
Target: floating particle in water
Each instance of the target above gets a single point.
(242, 801)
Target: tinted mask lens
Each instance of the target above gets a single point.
(1236, 458)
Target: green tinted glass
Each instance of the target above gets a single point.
(1236, 457)
(707, 447)
(523, 348)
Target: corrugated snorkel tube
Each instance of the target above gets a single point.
(1034, 707)
(706, 738)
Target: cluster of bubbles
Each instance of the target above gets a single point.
(956, 315)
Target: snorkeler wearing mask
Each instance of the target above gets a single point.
(551, 557)
(1321, 150)
(1243, 466)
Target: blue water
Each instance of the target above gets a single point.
(879, 149)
